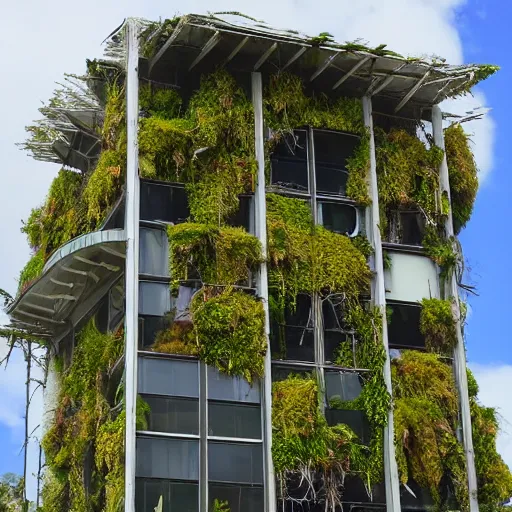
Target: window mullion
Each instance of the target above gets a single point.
(203, 438)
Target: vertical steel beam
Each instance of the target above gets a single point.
(203, 437)
(459, 355)
(379, 299)
(262, 285)
(132, 258)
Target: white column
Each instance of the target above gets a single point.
(459, 355)
(379, 299)
(132, 259)
(262, 285)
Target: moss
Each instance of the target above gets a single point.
(31, 271)
(463, 174)
(179, 338)
(230, 331)
(493, 475)
(440, 250)
(165, 148)
(219, 255)
(425, 413)
(103, 186)
(158, 102)
(85, 426)
(306, 259)
(304, 445)
(437, 324)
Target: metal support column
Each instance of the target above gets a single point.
(459, 355)
(132, 259)
(262, 285)
(379, 299)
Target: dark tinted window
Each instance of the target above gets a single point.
(236, 389)
(160, 376)
(243, 216)
(356, 420)
(182, 496)
(340, 218)
(167, 458)
(344, 386)
(292, 343)
(283, 372)
(116, 217)
(173, 415)
(149, 326)
(116, 306)
(332, 342)
(404, 326)
(413, 227)
(240, 498)
(234, 420)
(101, 317)
(289, 162)
(167, 203)
(331, 153)
(237, 463)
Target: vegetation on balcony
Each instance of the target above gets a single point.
(437, 324)
(83, 446)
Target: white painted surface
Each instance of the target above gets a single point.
(412, 277)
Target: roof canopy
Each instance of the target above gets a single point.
(200, 43)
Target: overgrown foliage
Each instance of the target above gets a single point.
(229, 326)
(305, 448)
(86, 428)
(494, 476)
(437, 324)
(425, 412)
(218, 255)
(463, 174)
(31, 271)
(304, 258)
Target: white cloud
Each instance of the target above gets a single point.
(495, 381)
(46, 40)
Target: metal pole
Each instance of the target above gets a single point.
(261, 233)
(379, 298)
(459, 355)
(132, 259)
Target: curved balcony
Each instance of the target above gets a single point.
(73, 280)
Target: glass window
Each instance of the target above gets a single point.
(149, 326)
(338, 217)
(290, 162)
(116, 306)
(182, 496)
(115, 219)
(167, 458)
(240, 498)
(101, 316)
(164, 202)
(236, 389)
(237, 463)
(332, 344)
(234, 420)
(297, 343)
(404, 326)
(413, 228)
(283, 372)
(356, 420)
(173, 415)
(332, 150)
(243, 217)
(154, 298)
(168, 377)
(153, 252)
(344, 386)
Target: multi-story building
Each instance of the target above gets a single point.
(246, 277)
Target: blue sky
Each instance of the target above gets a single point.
(476, 29)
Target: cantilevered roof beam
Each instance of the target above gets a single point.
(349, 73)
(295, 57)
(323, 67)
(208, 47)
(237, 48)
(265, 56)
(412, 91)
(167, 44)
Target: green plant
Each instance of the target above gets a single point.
(437, 324)
(425, 413)
(220, 506)
(220, 255)
(179, 338)
(494, 476)
(440, 250)
(162, 103)
(31, 271)
(463, 174)
(303, 443)
(230, 331)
